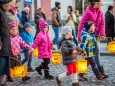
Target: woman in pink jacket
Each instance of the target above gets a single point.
(94, 13)
(44, 45)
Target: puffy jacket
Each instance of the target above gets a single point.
(96, 16)
(67, 48)
(43, 42)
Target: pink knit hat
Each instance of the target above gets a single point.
(12, 25)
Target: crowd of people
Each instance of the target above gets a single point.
(16, 36)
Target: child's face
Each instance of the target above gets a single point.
(92, 28)
(69, 35)
(14, 31)
(46, 29)
(28, 29)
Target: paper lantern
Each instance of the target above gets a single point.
(111, 47)
(19, 71)
(35, 53)
(56, 58)
(82, 66)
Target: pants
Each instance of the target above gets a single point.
(28, 58)
(97, 54)
(45, 63)
(71, 68)
(94, 66)
(74, 37)
(56, 38)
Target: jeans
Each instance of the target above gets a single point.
(56, 38)
(28, 58)
(91, 61)
(71, 68)
(74, 37)
(97, 54)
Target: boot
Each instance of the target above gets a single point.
(74, 79)
(26, 78)
(58, 81)
(75, 84)
(101, 70)
(47, 75)
(82, 76)
(38, 69)
(9, 79)
(30, 70)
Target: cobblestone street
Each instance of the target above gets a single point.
(37, 80)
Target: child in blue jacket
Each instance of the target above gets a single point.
(28, 38)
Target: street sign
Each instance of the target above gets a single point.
(28, 1)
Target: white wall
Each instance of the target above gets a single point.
(21, 5)
(64, 4)
(106, 3)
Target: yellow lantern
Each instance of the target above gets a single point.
(56, 58)
(19, 71)
(111, 47)
(82, 66)
(35, 53)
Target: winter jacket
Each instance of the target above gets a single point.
(109, 24)
(43, 42)
(4, 35)
(56, 18)
(96, 16)
(24, 18)
(12, 17)
(88, 41)
(16, 44)
(67, 48)
(70, 22)
(27, 37)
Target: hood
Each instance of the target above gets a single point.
(86, 32)
(42, 24)
(60, 40)
(91, 8)
(27, 24)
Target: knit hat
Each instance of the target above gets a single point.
(26, 8)
(87, 25)
(5, 1)
(12, 25)
(27, 24)
(57, 4)
(64, 30)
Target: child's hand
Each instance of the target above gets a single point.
(74, 52)
(52, 46)
(103, 37)
(83, 54)
(31, 51)
(0, 47)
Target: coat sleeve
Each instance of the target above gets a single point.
(67, 49)
(23, 20)
(102, 25)
(23, 36)
(81, 24)
(24, 45)
(37, 42)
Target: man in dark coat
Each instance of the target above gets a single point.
(25, 16)
(109, 22)
(5, 49)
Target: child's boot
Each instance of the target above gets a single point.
(74, 78)
(26, 78)
(9, 79)
(39, 69)
(47, 75)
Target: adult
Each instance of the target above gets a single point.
(39, 14)
(18, 13)
(77, 20)
(70, 18)
(109, 23)
(25, 15)
(56, 18)
(5, 50)
(94, 13)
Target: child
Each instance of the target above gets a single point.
(44, 45)
(16, 44)
(69, 51)
(28, 38)
(87, 44)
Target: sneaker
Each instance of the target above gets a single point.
(48, 77)
(9, 79)
(100, 78)
(30, 70)
(26, 78)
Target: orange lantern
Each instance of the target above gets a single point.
(35, 53)
(19, 71)
(111, 47)
(82, 66)
(56, 58)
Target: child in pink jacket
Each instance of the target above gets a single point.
(44, 45)
(16, 44)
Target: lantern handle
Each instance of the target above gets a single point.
(16, 60)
